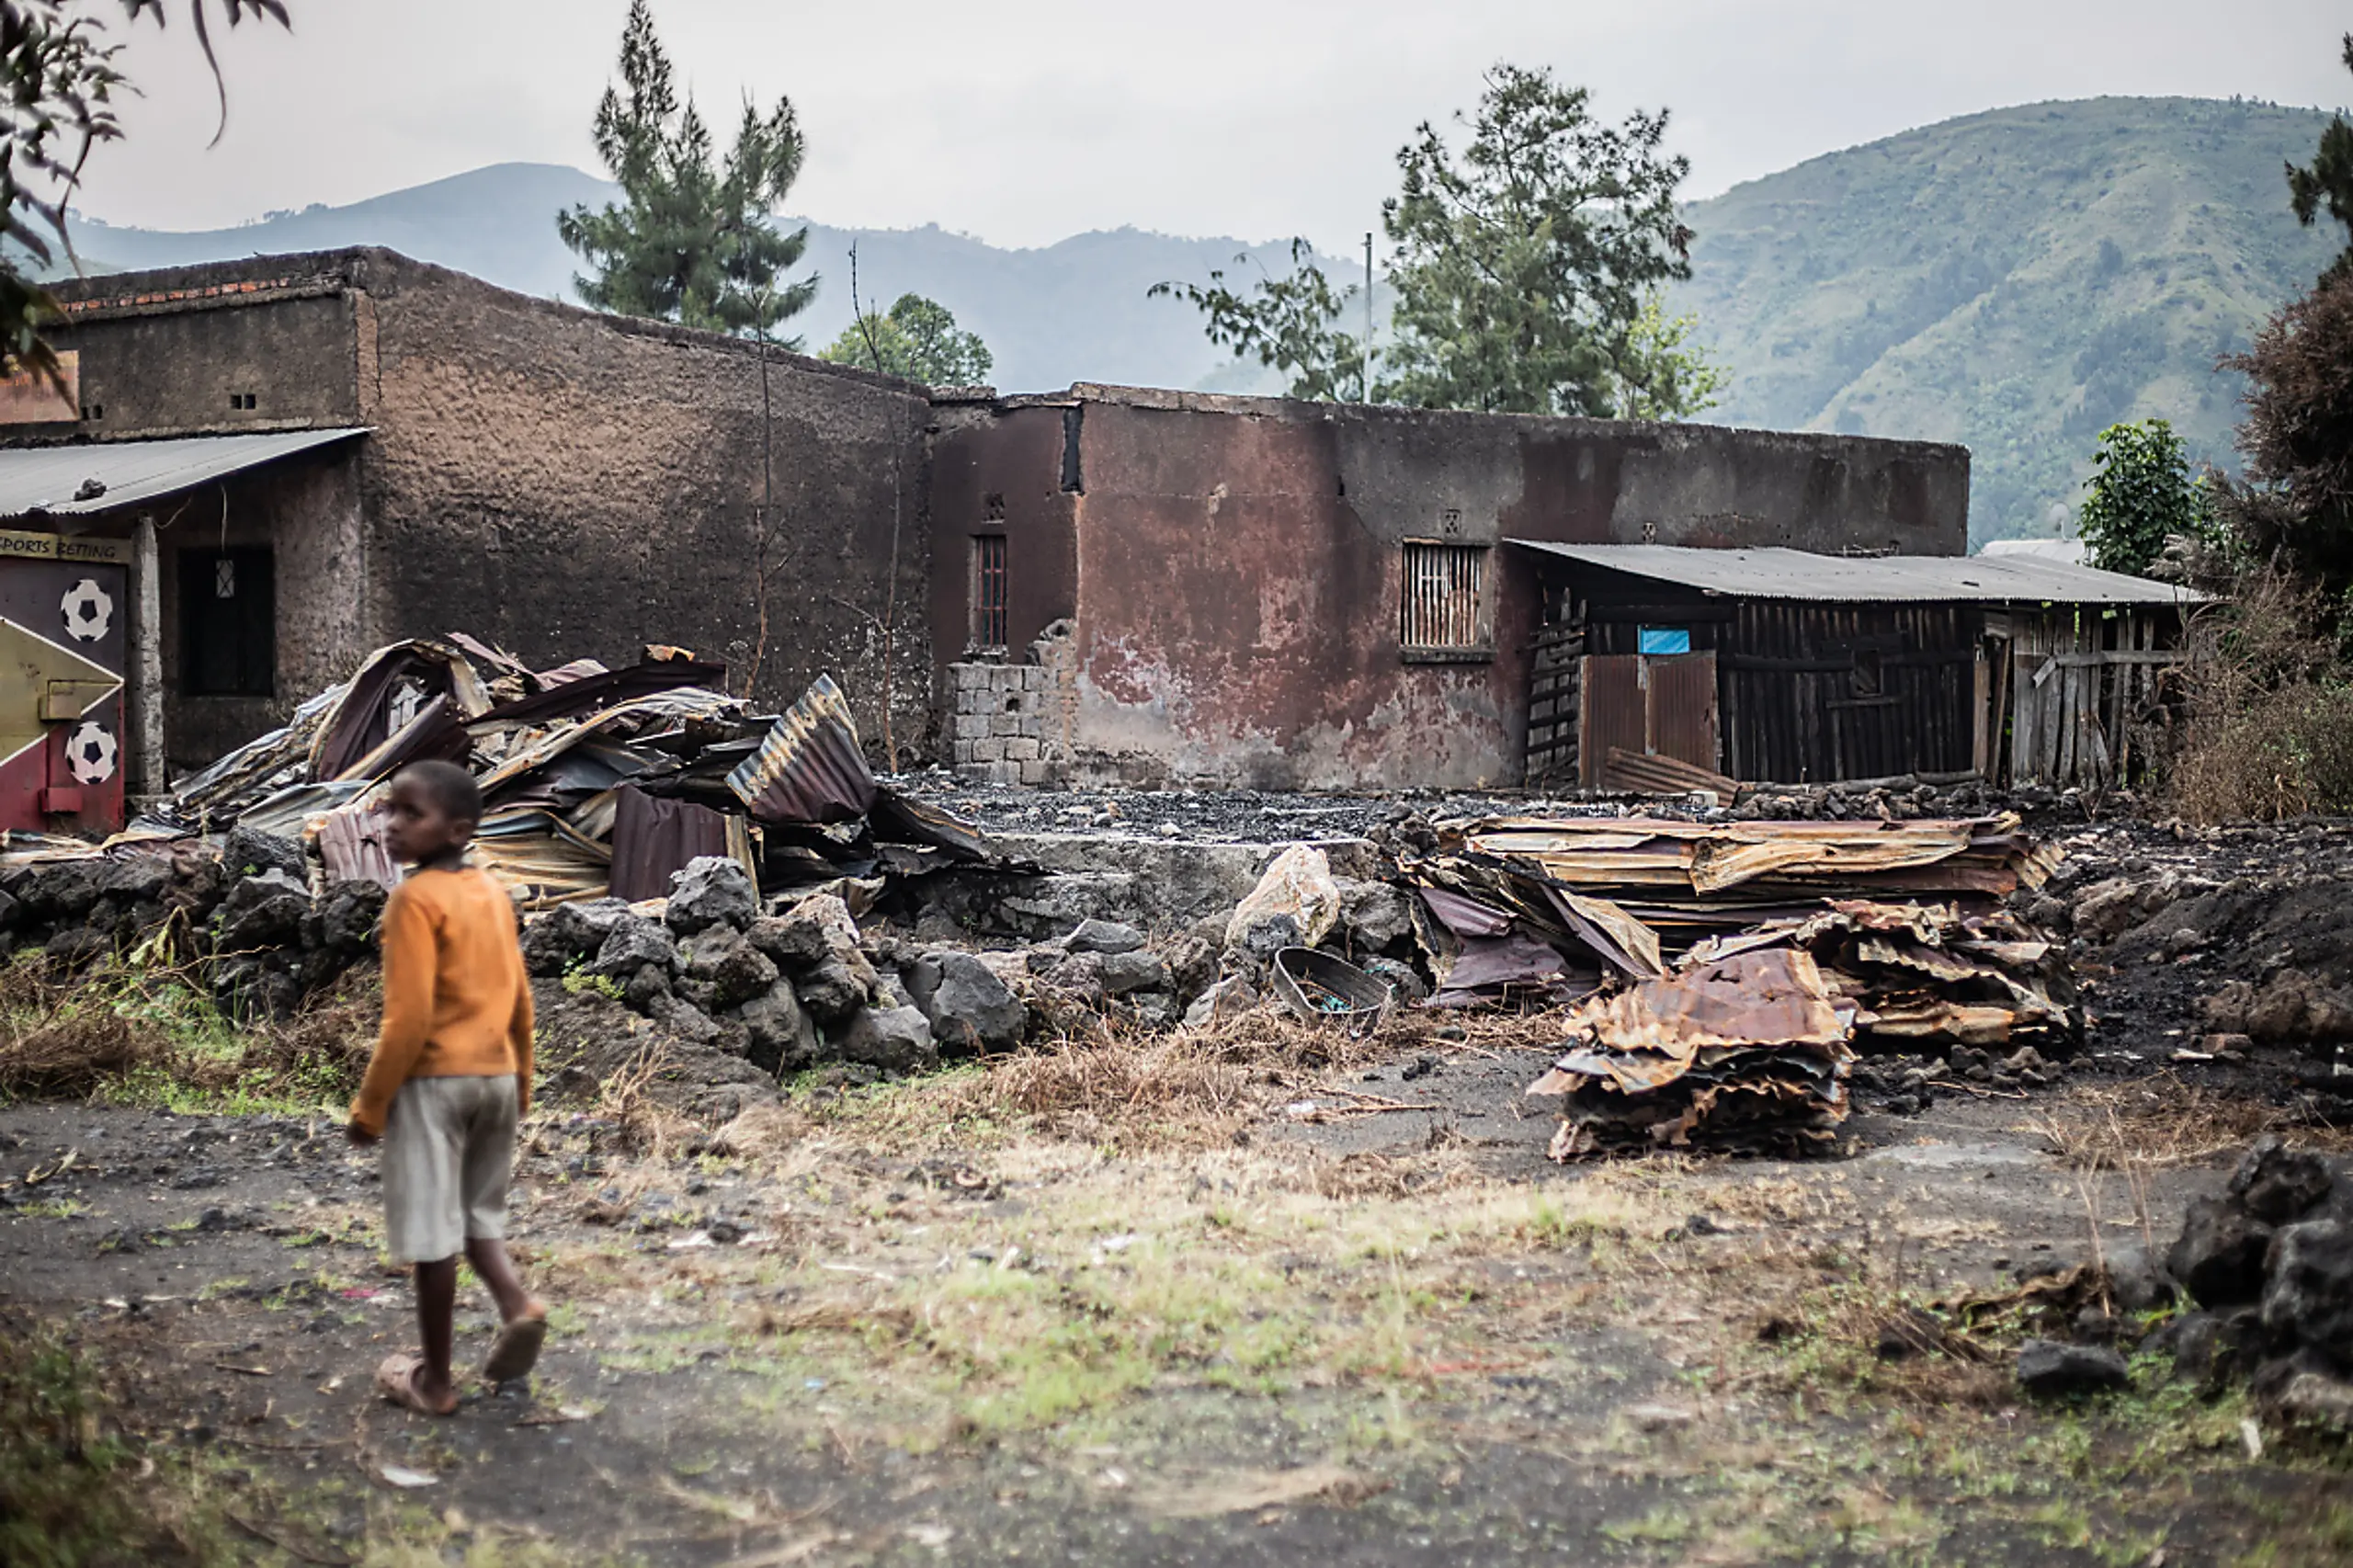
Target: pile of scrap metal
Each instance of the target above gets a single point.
(1742, 1054)
(594, 780)
(1724, 974)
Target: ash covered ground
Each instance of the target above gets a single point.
(1264, 1294)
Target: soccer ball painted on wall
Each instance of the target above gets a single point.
(88, 611)
(90, 752)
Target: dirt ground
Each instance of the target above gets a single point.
(1187, 1310)
(839, 1335)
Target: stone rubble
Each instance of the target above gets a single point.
(2268, 1265)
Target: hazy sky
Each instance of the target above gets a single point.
(1023, 122)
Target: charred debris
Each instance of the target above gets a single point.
(744, 881)
(1721, 977)
(595, 781)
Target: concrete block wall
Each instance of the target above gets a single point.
(1012, 723)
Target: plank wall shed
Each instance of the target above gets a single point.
(1788, 666)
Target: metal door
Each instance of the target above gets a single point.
(1654, 705)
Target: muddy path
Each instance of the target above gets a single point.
(1353, 1335)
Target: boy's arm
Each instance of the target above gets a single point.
(519, 1037)
(408, 1009)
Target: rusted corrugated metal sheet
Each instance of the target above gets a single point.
(351, 845)
(653, 838)
(1929, 974)
(1682, 708)
(810, 767)
(1706, 860)
(1748, 1052)
(1805, 575)
(1663, 776)
(367, 715)
(570, 698)
(1613, 713)
(1647, 704)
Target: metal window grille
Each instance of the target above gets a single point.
(988, 591)
(1443, 585)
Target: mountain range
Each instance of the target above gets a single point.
(2015, 280)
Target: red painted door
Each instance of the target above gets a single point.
(63, 639)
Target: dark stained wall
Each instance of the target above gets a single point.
(164, 354)
(999, 471)
(560, 481)
(306, 509)
(1239, 567)
(170, 367)
(570, 484)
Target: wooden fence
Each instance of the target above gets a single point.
(2078, 686)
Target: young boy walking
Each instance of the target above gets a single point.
(450, 1080)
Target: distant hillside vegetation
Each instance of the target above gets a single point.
(1074, 311)
(2015, 280)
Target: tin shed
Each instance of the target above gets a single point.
(1787, 667)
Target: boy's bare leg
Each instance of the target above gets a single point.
(437, 1312)
(498, 1270)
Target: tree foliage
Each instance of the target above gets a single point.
(693, 239)
(1526, 274)
(2327, 180)
(1672, 377)
(1291, 324)
(60, 78)
(1522, 267)
(916, 339)
(2296, 438)
(2141, 493)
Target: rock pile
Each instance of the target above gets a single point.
(2268, 1263)
(244, 916)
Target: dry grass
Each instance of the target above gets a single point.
(628, 1099)
(53, 1042)
(2270, 731)
(1112, 1084)
(2160, 1122)
(153, 1033)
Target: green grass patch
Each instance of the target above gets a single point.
(137, 1031)
(74, 1488)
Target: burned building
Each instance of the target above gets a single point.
(1175, 588)
(296, 459)
(268, 468)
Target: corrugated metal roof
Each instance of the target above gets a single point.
(53, 480)
(810, 767)
(1863, 579)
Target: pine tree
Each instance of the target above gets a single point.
(693, 240)
(2327, 181)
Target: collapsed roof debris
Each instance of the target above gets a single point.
(1746, 1053)
(1710, 926)
(1929, 974)
(594, 780)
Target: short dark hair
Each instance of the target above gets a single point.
(447, 786)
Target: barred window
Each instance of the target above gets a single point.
(1445, 586)
(988, 593)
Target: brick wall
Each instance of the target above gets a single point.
(1012, 723)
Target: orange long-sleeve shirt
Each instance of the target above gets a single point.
(457, 1003)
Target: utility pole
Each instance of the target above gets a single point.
(1367, 315)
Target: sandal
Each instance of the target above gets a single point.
(516, 1349)
(396, 1380)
